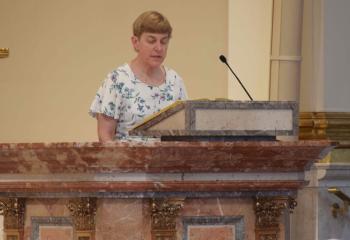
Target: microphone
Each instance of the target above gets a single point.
(223, 59)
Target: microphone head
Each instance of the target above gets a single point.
(223, 59)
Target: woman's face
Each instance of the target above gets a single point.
(151, 47)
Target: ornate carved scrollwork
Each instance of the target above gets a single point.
(83, 211)
(292, 203)
(13, 211)
(268, 211)
(163, 215)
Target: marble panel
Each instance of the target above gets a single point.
(45, 212)
(236, 119)
(56, 233)
(219, 212)
(51, 228)
(211, 232)
(123, 219)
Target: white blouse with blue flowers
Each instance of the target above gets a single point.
(129, 100)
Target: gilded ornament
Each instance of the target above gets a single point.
(13, 211)
(83, 211)
(268, 211)
(163, 214)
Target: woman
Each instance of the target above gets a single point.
(143, 87)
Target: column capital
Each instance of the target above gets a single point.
(268, 211)
(83, 211)
(164, 213)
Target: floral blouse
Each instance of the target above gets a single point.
(129, 100)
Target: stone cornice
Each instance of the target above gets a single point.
(147, 186)
(161, 157)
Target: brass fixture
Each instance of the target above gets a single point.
(336, 209)
(4, 52)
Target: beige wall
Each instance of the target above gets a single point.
(60, 51)
(249, 48)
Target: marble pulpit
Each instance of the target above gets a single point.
(233, 186)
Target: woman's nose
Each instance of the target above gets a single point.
(158, 46)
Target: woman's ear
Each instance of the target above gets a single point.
(135, 43)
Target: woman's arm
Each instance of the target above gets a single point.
(106, 127)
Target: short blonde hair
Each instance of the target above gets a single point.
(152, 22)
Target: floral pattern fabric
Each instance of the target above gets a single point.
(129, 100)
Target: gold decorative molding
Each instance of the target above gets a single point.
(13, 211)
(268, 211)
(4, 52)
(83, 211)
(164, 213)
(334, 126)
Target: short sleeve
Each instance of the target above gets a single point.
(107, 100)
